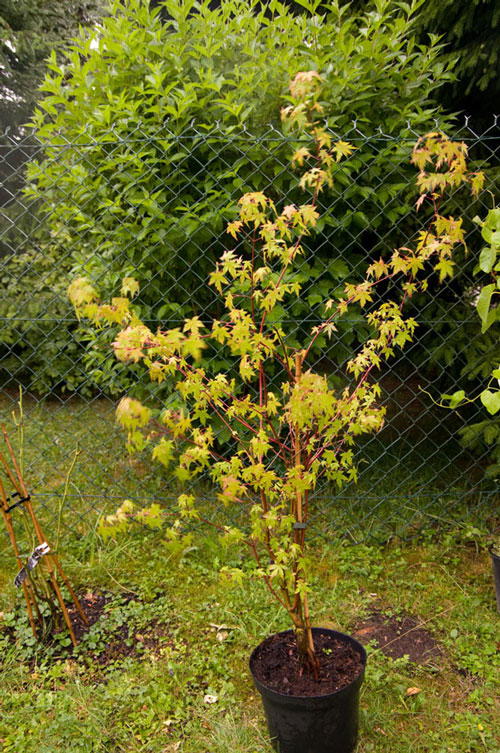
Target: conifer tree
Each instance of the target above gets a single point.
(471, 31)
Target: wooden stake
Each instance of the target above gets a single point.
(39, 531)
(13, 481)
(299, 533)
(28, 592)
(20, 487)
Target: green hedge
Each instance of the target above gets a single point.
(151, 131)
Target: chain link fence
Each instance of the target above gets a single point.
(87, 207)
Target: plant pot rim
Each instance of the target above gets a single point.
(288, 698)
(494, 550)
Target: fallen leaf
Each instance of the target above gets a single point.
(412, 691)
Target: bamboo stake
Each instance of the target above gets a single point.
(297, 500)
(56, 588)
(13, 481)
(39, 531)
(28, 594)
(299, 533)
(307, 619)
(21, 489)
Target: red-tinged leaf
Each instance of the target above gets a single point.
(378, 269)
(420, 200)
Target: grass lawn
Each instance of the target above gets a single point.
(164, 668)
(404, 483)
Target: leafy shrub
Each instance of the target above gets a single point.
(486, 431)
(150, 130)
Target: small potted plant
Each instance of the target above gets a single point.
(288, 427)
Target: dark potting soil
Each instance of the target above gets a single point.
(276, 665)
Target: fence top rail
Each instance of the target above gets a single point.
(27, 137)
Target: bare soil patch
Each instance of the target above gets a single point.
(93, 605)
(119, 627)
(399, 636)
(125, 640)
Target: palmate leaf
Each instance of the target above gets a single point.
(164, 451)
(130, 287)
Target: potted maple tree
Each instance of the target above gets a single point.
(288, 433)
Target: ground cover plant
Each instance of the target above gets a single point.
(168, 691)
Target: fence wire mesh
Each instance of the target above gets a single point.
(157, 210)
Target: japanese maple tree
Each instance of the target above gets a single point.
(284, 438)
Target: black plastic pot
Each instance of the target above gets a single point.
(314, 724)
(495, 559)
